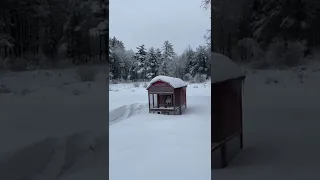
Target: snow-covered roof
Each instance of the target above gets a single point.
(174, 82)
(223, 68)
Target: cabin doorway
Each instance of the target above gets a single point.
(161, 101)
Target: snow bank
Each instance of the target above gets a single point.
(124, 112)
(223, 68)
(174, 82)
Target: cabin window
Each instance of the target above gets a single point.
(153, 100)
(161, 100)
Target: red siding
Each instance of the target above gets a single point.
(226, 110)
(177, 97)
(160, 86)
(161, 83)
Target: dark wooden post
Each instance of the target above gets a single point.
(223, 155)
(149, 100)
(174, 101)
(185, 96)
(241, 113)
(153, 100)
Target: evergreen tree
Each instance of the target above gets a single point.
(159, 61)
(116, 58)
(152, 64)
(201, 62)
(190, 56)
(140, 66)
(168, 55)
(285, 19)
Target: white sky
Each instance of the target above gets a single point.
(149, 22)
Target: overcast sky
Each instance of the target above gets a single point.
(151, 22)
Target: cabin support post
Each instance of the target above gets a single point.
(149, 101)
(152, 100)
(241, 114)
(223, 155)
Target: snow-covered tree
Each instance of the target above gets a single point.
(117, 55)
(201, 64)
(286, 19)
(168, 55)
(190, 59)
(152, 64)
(141, 57)
(142, 65)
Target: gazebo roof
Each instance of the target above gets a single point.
(174, 82)
(223, 68)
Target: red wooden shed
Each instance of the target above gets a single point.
(167, 95)
(226, 110)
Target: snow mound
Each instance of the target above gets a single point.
(55, 158)
(223, 68)
(124, 112)
(174, 82)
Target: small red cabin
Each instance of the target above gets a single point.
(226, 110)
(167, 95)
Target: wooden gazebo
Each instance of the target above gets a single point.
(167, 95)
(226, 110)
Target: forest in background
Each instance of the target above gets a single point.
(266, 33)
(40, 34)
(147, 62)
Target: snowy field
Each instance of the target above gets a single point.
(281, 127)
(59, 120)
(60, 123)
(150, 146)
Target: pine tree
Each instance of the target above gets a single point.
(285, 19)
(168, 51)
(201, 62)
(190, 55)
(159, 61)
(116, 58)
(141, 56)
(152, 64)
(168, 55)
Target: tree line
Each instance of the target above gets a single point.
(146, 63)
(274, 32)
(45, 33)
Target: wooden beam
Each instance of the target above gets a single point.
(149, 100)
(152, 100)
(174, 102)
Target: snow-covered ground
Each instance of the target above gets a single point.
(51, 126)
(62, 136)
(150, 146)
(281, 127)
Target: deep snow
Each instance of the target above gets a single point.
(150, 146)
(60, 139)
(52, 125)
(281, 127)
